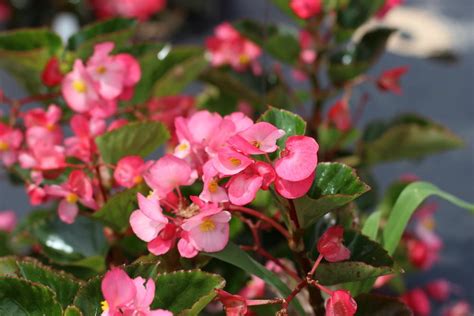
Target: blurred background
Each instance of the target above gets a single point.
(436, 42)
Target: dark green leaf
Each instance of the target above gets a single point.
(21, 297)
(406, 137)
(279, 41)
(234, 255)
(65, 286)
(357, 58)
(116, 211)
(357, 12)
(5, 248)
(89, 297)
(117, 30)
(334, 185)
(139, 138)
(8, 266)
(72, 311)
(186, 292)
(291, 123)
(377, 305)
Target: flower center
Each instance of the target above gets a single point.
(256, 143)
(138, 179)
(4, 146)
(101, 70)
(212, 186)
(244, 59)
(72, 198)
(79, 86)
(207, 225)
(50, 127)
(104, 305)
(235, 161)
(182, 147)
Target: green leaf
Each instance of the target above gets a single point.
(117, 30)
(357, 13)
(406, 137)
(72, 311)
(89, 297)
(8, 266)
(408, 201)
(116, 211)
(371, 225)
(291, 123)
(235, 256)
(368, 259)
(186, 292)
(5, 248)
(280, 41)
(61, 244)
(24, 53)
(357, 58)
(138, 138)
(167, 63)
(377, 305)
(65, 286)
(21, 297)
(334, 185)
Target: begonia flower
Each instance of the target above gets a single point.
(340, 116)
(389, 80)
(147, 221)
(418, 302)
(52, 75)
(10, 142)
(330, 245)
(341, 303)
(129, 171)
(298, 160)
(7, 221)
(306, 9)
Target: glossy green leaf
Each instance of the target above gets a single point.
(138, 138)
(357, 58)
(291, 123)
(168, 63)
(72, 311)
(24, 298)
(24, 53)
(89, 297)
(65, 286)
(408, 201)
(334, 185)
(406, 137)
(116, 211)
(61, 244)
(235, 256)
(280, 41)
(117, 30)
(377, 305)
(186, 292)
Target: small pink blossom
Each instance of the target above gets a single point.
(126, 296)
(339, 115)
(10, 142)
(140, 9)
(258, 139)
(341, 303)
(306, 9)
(43, 157)
(255, 288)
(79, 89)
(234, 305)
(148, 221)
(36, 194)
(389, 80)
(211, 191)
(418, 302)
(439, 289)
(129, 171)
(298, 160)
(461, 308)
(51, 75)
(228, 47)
(293, 189)
(167, 109)
(77, 188)
(82, 146)
(7, 221)
(229, 162)
(330, 245)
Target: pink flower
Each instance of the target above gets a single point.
(167, 109)
(82, 145)
(148, 221)
(211, 191)
(229, 162)
(208, 230)
(166, 239)
(330, 245)
(439, 289)
(234, 305)
(36, 194)
(389, 80)
(340, 116)
(228, 47)
(341, 303)
(293, 189)
(417, 300)
(389, 5)
(42, 126)
(10, 142)
(306, 8)
(420, 254)
(129, 170)
(168, 173)
(308, 52)
(254, 288)
(43, 157)
(7, 221)
(51, 75)
(298, 160)
(126, 296)
(79, 89)
(140, 9)
(78, 188)
(258, 139)
(461, 308)
(5, 11)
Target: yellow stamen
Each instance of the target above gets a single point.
(72, 198)
(101, 70)
(244, 59)
(235, 161)
(182, 147)
(50, 127)
(79, 86)
(256, 143)
(212, 186)
(104, 305)
(150, 194)
(429, 223)
(207, 226)
(4, 146)
(138, 179)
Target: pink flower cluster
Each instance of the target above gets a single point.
(228, 47)
(126, 296)
(95, 88)
(140, 9)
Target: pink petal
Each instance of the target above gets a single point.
(213, 240)
(118, 288)
(145, 293)
(243, 188)
(144, 227)
(7, 220)
(186, 249)
(293, 190)
(230, 162)
(67, 211)
(299, 159)
(151, 208)
(159, 246)
(264, 135)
